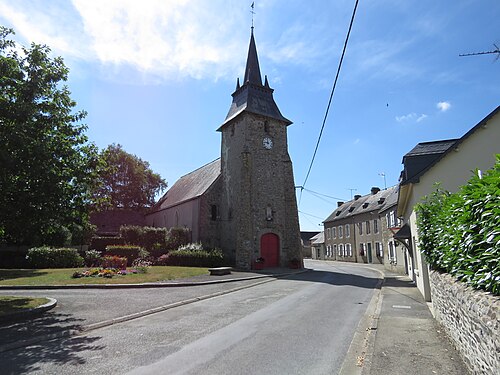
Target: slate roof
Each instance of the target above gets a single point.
(252, 96)
(427, 148)
(190, 186)
(426, 154)
(306, 236)
(366, 203)
(318, 239)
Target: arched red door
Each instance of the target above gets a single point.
(270, 249)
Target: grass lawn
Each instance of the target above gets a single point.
(62, 276)
(10, 304)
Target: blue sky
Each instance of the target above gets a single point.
(157, 76)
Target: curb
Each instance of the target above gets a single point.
(144, 285)
(358, 357)
(20, 315)
(140, 314)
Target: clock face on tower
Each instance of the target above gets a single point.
(267, 143)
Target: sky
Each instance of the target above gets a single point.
(156, 76)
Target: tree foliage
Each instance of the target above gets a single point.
(127, 181)
(460, 233)
(48, 167)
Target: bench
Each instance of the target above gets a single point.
(219, 271)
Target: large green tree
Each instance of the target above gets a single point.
(127, 181)
(48, 168)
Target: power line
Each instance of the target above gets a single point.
(331, 97)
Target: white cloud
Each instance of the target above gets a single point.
(411, 117)
(443, 106)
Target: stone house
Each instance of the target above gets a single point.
(305, 240)
(449, 163)
(318, 246)
(245, 201)
(354, 231)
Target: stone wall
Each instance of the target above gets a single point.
(471, 320)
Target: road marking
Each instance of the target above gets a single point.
(401, 307)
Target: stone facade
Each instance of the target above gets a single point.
(471, 320)
(258, 194)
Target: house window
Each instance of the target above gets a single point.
(334, 232)
(392, 252)
(378, 249)
(328, 233)
(375, 225)
(362, 249)
(340, 231)
(391, 219)
(213, 212)
(348, 249)
(368, 230)
(341, 249)
(360, 228)
(347, 231)
(328, 251)
(335, 248)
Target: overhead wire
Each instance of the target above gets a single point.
(331, 97)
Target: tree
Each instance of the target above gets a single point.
(127, 181)
(48, 167)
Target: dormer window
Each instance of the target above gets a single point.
(365, 205)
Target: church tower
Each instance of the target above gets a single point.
(258, 208)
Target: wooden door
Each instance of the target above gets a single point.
(270, 249)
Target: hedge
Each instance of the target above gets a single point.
(100, 243)
(47, 257)
(460, 233)
(130, 252)
(196, 258)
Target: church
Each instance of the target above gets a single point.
(244, 202)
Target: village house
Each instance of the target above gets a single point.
(357, 231)
(449, 163)
(318, 246)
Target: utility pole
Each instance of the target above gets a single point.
(352, 191)
(385, 183)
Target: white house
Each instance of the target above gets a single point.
(450, 163)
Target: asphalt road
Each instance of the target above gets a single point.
(296, 325)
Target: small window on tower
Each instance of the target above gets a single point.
(266, 126)
(213, 212)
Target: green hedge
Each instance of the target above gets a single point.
(196, 258)
(100, 243)
(147, 237)
(46, 257)
(460, 233)
(130, 252)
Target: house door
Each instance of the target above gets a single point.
(270, 249)
(369, 252)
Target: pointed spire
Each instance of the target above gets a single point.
(252, 70)
(238, 83)
(266, 82)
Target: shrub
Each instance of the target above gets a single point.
(131, 234)
(130, 252)
(92, 258)
(114, 262)
(196, 258)
(177, 237)
(100, 243)
(158, 250)
(162, 260)
(460, 233)
(147, 237)
(46, 257)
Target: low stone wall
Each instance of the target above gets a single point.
(471, 320)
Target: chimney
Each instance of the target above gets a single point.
(375, 190)
(339, 204)
(356, 197)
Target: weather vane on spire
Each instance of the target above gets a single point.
(252, 11)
